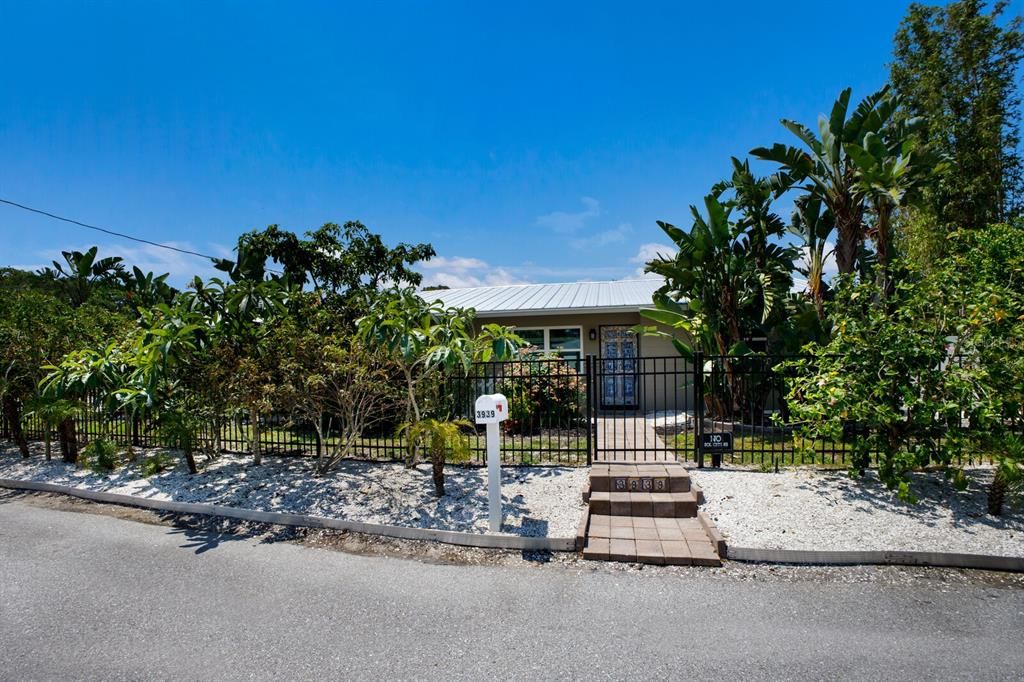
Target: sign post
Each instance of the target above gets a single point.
(492, 409)
(716, 444)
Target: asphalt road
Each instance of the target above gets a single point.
(85, 596)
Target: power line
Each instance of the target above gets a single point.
(106, 231)
(120, 234)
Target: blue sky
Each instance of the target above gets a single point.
(530, 141)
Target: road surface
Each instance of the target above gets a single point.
(86, 596)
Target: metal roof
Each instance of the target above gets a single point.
(549, 299)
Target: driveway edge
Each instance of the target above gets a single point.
(303, 521)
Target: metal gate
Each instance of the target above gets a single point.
(643, 409)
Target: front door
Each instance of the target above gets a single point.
(618, 368)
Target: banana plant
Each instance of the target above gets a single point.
(813, 224)
(81, 272)
(892, 169)
(825, 168)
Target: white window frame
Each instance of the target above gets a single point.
(577, 361)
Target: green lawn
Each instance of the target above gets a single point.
(770, 450)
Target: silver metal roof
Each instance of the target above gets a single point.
(549, 299)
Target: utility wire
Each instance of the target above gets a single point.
(106, 231)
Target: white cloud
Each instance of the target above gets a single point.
(459, 271)
(648, 252)
(615, 235)
(560, 221)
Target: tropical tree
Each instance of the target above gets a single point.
(825, 168)
(441, 439)
(425, 341)
(956, 67)
(345, 264)
(81, 273)
(813, 226)
(337, 384)
(892, 170)
(731, 277)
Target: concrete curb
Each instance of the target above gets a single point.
(836, 558)
(300, 520)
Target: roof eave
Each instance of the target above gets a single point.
(562, 311)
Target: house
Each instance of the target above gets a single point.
(580, 319)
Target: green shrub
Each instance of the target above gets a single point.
(150, 466)
(541, 391)
(100, 455)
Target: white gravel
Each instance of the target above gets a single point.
(537, 501)
(814, 510)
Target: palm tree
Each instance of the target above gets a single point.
(439, 438)
(826, 169)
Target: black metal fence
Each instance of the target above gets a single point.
(708, 409)
(547, 424)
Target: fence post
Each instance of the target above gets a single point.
(589, 369)
(698, 397)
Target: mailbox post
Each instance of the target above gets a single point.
(492, 409)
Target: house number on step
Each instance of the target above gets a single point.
(644, 484)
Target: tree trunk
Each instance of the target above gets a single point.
(218, 426)
(68, 434)
(414, 409)
(12, 413)
(190, 461)
(254, 443)
(437, 459)
(997, 494)
(850, 231)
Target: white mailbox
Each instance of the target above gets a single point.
(491, 408)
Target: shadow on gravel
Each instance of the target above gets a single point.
(938, 500)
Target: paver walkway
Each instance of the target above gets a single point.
(629, 438)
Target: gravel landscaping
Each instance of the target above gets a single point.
(815, 510)
(539, 501)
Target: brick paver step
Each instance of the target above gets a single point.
(646, 512)
(612, 477)
(666, 505)
(680, 542)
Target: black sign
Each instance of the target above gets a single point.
(716, 442)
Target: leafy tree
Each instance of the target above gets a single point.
(731, 274)
(36, 329)
(336, 384)
(955, 66)
(813, 226)
(888, 370)
(346, 263)
(144, 289)
(427, 340)
(946, 350)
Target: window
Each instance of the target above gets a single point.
(566, 342)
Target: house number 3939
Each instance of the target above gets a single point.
(485, 414)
